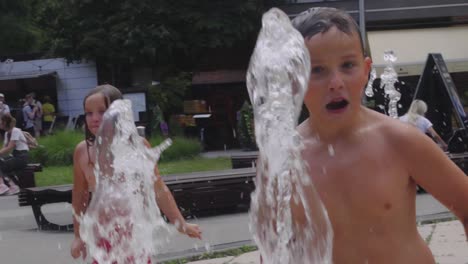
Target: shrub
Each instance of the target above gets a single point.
(57, 149)
(181, 148)
(245, 128)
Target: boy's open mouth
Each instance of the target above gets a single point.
(337, 105)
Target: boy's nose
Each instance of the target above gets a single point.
(336, 81)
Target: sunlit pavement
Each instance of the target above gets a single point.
(447, 242)
(21, 242)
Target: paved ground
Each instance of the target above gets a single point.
(447, 242)
(18, 230)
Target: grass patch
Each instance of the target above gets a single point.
(58, 175)
(219, 254)
(55, 175)
(194, 164)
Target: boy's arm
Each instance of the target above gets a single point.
(431, 168)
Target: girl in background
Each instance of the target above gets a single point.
(415, 116)
(16, 144)
(95, 104)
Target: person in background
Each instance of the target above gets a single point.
(415, 116)
(29, 114)
(95, 104)
(14, 143)
(19, 114)
(37, 117)
(48, 110)
(4, 109)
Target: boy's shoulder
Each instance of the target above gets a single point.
(395, 130)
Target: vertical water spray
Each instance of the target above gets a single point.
(123, 223)
(369, 89)
(288, 221)
(388, 79)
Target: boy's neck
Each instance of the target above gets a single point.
(329, 132)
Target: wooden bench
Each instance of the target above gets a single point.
(195, 193)
(244, 161)
(25, 177)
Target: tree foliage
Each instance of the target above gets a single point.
(17, 31)
(150, 32)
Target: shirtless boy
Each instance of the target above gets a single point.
(366, 165)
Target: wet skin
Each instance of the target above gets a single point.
(365, 166)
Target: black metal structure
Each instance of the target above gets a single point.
(445, 109)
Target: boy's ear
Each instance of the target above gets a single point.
(367, 65)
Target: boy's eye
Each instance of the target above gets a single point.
(88, 113)
(317, 69)
(348, 65)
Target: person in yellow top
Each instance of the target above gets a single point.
(48, 110)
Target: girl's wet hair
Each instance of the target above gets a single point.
(110, 94)
(320, 19)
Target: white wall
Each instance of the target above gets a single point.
(412, 45)
(73, 81)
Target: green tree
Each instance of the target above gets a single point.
(149, 32)
(167, 97)
(18, 33)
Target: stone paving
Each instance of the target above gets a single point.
(446, 240)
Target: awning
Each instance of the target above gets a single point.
(26, 75)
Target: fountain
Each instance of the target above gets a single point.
(287, 218)
(388, 79)
(123, 223)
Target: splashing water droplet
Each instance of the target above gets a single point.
(331, 150)
(276, 81)
(369, 89)
(207, 247)
(388, 79)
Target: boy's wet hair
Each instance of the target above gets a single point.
(320, 19)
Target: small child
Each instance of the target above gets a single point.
(95, 104)
(416, 117)
(368, 182)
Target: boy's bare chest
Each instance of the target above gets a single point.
(358, 180)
